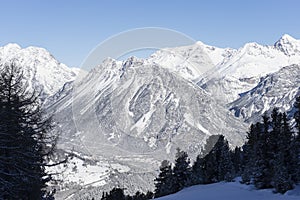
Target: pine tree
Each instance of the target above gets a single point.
(285, 164)
(269, 154)
(226, 167)
(297, 113)
(114, 194)
(24, 139)
(237, 160)
(296, 142)
(255, 154)
(249, 151)
(262, 173)
(197, 176)
(209, 163)
(164, 181)
(217, 164)
(181, 171)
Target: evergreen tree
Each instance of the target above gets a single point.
(296, 142)
(285, 163)
(254, 154)
(249, 149)
(164, 181)
(297, 114)
(263, 152)
(269, 154)
(24, 139)
(181, 171)
(197, 176)
(139, 196)
(237, 160)
(223, 155)
(217, 164)
(209, 163)
(114, 194)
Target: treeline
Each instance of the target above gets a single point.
(270, 158)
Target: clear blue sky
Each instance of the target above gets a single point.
(70, 29)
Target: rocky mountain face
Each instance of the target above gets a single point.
(276, 90)
(243, 70)
(191, 62)
(135, 114)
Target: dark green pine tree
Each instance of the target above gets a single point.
(217, 164)
(226, 167)
(24, 140)
(262, 155)
(237, 160)
(249, 153)
(197, 176)
(200, 169)
(209, 163)
(297, 114)
(296, 142)
(181, 171)
(114, 194)
(255, 155)
(164, 181)
(285, 163)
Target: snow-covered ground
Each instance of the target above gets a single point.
(230, 191)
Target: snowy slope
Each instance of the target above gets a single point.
(245, 67)
(136, 113)
(230, 191)
(43, 72)
(191, 61)
(278, 89)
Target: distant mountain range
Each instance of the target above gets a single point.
(124, 117)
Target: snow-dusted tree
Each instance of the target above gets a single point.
(249, 150)
(115, 193)
(297, 114)
(24, 142)
(237, 159)
(225, 168)
(296, 142)
(164, 181)
(181, 171)
(263, 155)
(285, 162)
(197, 176)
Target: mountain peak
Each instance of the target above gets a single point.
(11, 46)
(288, 45)
(287, 37)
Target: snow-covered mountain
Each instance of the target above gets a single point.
(43, 72)
(226, 72)
(278, 89)
(247, 65)
(191, 61)
(135, 114)
(124, 117)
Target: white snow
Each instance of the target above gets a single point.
(40, 68)
(230, 191)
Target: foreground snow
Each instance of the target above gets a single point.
(230, 191)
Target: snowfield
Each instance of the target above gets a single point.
(230, 191)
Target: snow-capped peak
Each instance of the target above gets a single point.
(287, 37)
(43, 72)
(288, 45)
